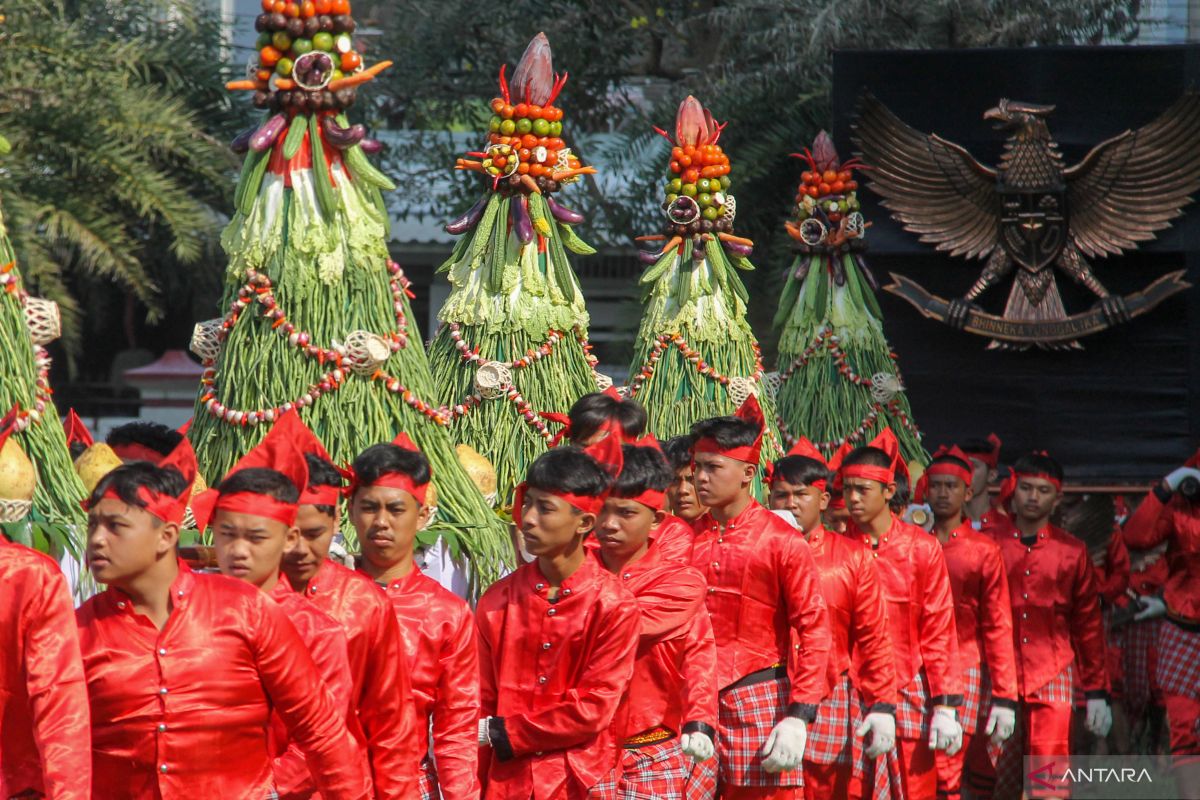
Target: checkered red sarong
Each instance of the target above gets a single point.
(912, 712)
(1139, 652)
(881, 777)
(1059, 689)
(977, 700)
(746, 716)
(1178, 661)
(427, 781)
(831, 737)
(647, 773)
(1010, 761)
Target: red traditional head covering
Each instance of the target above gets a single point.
(651, 498)
(166, 507)
(76, 431)
(888, 443)
(806, 449)
(565, 420)
(1009, 487)
(391, 480)
(943, 468)
(280, 451)
(308, 443)
(607, 453)
(750, 411)
(992, 459)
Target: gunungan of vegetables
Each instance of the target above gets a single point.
(513, 346)
(696, 355)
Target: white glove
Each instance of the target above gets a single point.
(484, 739)
(1001, 724)
(1099, 717)
(1152, 607)
(944, 731)
(882, 728)
(784, 749)
(1177, 477)
(697, 745)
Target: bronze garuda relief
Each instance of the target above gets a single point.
(1032, 214)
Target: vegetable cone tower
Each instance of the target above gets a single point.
(840, 380)
(317, 316)
(513, 340)
(37, 450)
(696, 356)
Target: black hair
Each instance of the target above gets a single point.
(154, 435)
(955, 460)
(1035, 463)
(867, 456)
(380, 459)
(679, 451)
(260, 480)
(77, 449)
(728, 432)
(801, 470)
(127, 479)
(322, 473)
(644, 469)
(977, 447)
(902, 497)
(592, 411)
(568, 470)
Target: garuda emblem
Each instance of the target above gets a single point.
(1032, 215)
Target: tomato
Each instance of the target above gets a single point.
(497, 104)
(824, 189)
(268, 5)
(838, 187)
(279, 6)
(691, 176)
(520, 110)
(324, 6)
(806, 176)
(675, 167)
(686, 160)
(529, 141)
(676, 152)
(844, 175)
(340, 7)
(308, 9)
(351, 60)
(541, 127)
(269, 56)
(324, 41)
(551, 157)
(291, 10)
(851, 186)
(811, 191)
(506, 111)
(535, 111)
(829, 176)
(523, 153)
(263, 75)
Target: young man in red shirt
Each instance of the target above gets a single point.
(184, 669)
(916, 588)
(1057, 629)
(763, 595)
(862, 671)
(984, 455)
(681, 494)
(388, 486)
(983, 620)
(381, 689)
(557, 641)
(672, 716)
(1170, 515)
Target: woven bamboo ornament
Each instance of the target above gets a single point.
(14, 510)
(44, 320)
(492, 379)
(771, 382)
(366, 351)
(885, 386)
(206, 340)
(740, 388)
(603, 382)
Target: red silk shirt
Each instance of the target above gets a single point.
(1113, 577)
(1172, 519)
(982, 609)
(916, 587)
(44, 727)
(325, 641)
(382, 688)
(673, 539)
(674, 676)
(183, 712)
(1056, 609)
(858, 619)
(439, 642)
(762, 591)
(557, 675)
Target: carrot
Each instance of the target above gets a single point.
(245, 86)
(650, 238)
(676, 241)
(285, 84)
(793, 231)
(463, 163)
(729, 237)
(359, 77)
(570, 173)
(530, 184)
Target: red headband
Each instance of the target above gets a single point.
(651, 498)
(992, 459)
(805, 449)
(750, 411)
(943, 468)
(1009, 487)
(588, 504)
(258, 505)
(319, 495)
(391, 480)
(132, 451)
(164, 506)
(565, 420)
(888, 443)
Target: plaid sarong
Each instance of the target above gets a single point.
(746, 716)
(1010, 760)
(1059, 689)
(831, 738)
(912, 712)
(427, 780)
(1178, 670)
(977, 700)
(654, 772)
(1139, 652)
(881, 777)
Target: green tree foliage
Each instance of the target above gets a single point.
(119, 172)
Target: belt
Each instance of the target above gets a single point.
(1187, 624)
(647, 738)
(761, 676)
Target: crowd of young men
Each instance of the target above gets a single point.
(663, 636)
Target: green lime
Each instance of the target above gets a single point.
(281, 41)
(704, 184)
(710, 213)
(302, 46)
(507, 127)
(263, 40)
(541, 127)
(556, 128)
(689, 189)
(524, 125)
(283, 67)
(671, 198)
(704, 199)
(725, 181)
(675, 185)
(323, 41)
(494, 124)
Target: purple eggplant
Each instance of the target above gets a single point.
(340, 137)
(521, 224)
(241, 142)
(371, 146)
(562, 213)
(648, 256)
(268, 132)
(738, 250)
(468, 220)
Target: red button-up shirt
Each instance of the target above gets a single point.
(325, 641)
(858, 620)
(183, 712)
(1177, 522)
(439, 643)
(382, 689)
(1113, 577)
(557, 674)
(982, 608)
(673, 539)
(762, 591)
(44, 726)
(1056, 609)
(674, 677)
(916, 587)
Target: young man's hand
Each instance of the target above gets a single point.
(1001, 724)
(784, 749)
(944, 731)
(697, 745)
(882, 728)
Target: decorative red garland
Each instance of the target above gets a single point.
(665, 340)
(42, 391)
